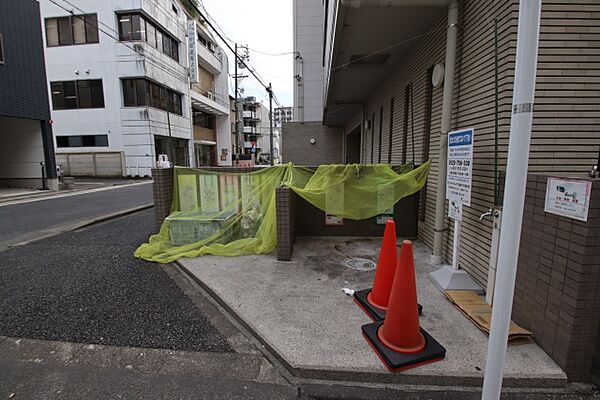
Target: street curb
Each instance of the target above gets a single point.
(114, 215)
(325, 386)
(17, 200)
(83, 224)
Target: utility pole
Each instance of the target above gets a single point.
(238, 64)
(528, 32)
(270, 90)
(237, 115)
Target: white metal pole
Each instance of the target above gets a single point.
(456, 244)
(514, 194)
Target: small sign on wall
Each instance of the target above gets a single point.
(455, 209)
(333, 220)
(382, 218)
(568, 197)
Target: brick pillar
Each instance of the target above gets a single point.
(557, 292)
(162, 190)
(284, 201)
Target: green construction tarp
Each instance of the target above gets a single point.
(233, 213)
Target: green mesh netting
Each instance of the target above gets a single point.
(233, 213)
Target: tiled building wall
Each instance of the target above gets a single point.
(565, 123)
(557, 293)
(162, 191)
(285, 200)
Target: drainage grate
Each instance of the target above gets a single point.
(360, 264)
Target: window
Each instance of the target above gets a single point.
(142, 92)
(204, 120)
(68, 95)
(82, 141)
(70, 30)
(137, 27)
(1, 50)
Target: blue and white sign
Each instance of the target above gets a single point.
(460, 166)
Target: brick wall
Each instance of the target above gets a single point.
(557, 292)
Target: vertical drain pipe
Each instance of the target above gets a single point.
(440, 201)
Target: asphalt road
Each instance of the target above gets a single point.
(85, 286)
(28, 221)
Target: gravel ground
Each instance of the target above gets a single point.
(87, 287)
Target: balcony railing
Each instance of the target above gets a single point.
(210, 94)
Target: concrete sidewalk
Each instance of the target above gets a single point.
(299, 311)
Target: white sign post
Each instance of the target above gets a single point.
(458, 193)
(458, 181)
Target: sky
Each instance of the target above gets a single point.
(265, 26)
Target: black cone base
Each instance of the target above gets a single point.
(375, 313)
(395, 361)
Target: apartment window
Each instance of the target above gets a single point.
(204, 120)
(70, 30)
(68, 95)
(82, 141)
(137, 27)
(142, 92)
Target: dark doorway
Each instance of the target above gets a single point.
(353, 146)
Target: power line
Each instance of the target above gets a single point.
(241, 60)
(354, 61)
(272, 54)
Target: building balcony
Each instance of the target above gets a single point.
(208, 59)
(250, 129)
(204, 135)
(366, 66)
(208, 101)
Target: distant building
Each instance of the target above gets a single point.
(26, 144)
(254, 127)
(281, 115)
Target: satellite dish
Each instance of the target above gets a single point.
(437, 77)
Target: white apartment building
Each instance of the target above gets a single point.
(281, 115)
(120, 88)
(256, 130)
(209, 96)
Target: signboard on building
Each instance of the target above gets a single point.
(568, 197)
(192, 55)
(460, 166)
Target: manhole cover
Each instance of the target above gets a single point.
(361, 264)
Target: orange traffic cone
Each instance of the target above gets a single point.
(398, 340)
(374, 302)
